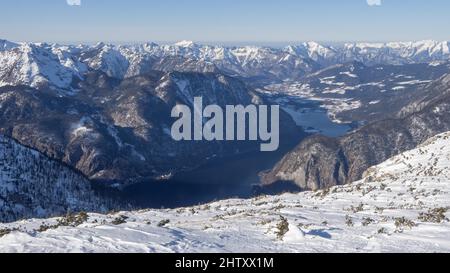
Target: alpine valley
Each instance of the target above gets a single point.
(86, 130)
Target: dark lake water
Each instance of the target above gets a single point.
(219, 179)
(223, 178)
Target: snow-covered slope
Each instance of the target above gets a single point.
(38, 65)
(319, 53)
(106, 58)
(32, 185)
(401, 206)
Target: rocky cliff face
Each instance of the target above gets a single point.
(320, 162)
(32, 185)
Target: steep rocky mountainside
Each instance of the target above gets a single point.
(320, 162)
(32, 185)
(119, 131)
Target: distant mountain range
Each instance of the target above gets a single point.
(37, 64)
(395, 53)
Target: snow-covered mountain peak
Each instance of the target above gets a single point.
(39, 64)
(7, 45)
(312, 50)
(99, 45)
(149, 46)
(107, 58)
(185, 43)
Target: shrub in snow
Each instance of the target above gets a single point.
(4, 232)
(402, 222)
(282, 228)
(163, 223)
(73, 220)
(436, 215)
(122, 219)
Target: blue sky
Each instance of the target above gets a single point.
(265, 21)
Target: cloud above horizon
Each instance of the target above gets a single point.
(374, 3)
(73, 2)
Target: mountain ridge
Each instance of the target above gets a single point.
(69, 63)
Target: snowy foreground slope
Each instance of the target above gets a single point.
(401, 206)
